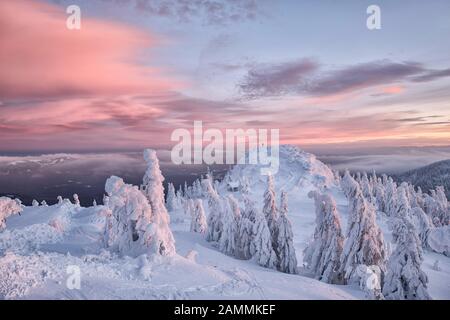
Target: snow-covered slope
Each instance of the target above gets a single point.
(37, 247)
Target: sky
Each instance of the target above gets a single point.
(138, 69)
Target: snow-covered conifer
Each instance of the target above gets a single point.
(44, 203)
(215, 212)
(94, 203)
(133, 228)
(323, 253)
(198, 222)
(35, 203)
(59, 199)
(171, 198)
(154, 191)
(245, 230)
(262, 249)
(364, 243)
(404, 278)
(230, 219)
(270, 209)
(285, 251)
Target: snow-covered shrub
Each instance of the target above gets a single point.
(59, 200)
(285, 251)
(364, 243)
(369, 281)
(323, 253)
(133, 228)
(35, 203)
(404, 278)
(8, 207)
(76, 200)
(44, 203)
(198, 222)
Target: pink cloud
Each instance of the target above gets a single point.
(40, 57)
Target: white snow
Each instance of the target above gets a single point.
(37, 247)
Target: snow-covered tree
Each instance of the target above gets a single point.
(380, 196)
(270, 209)
(261, 248)
(35, 203)
(285, 251)
(366, 188)
(347, 183)
(171, 198)
(8, 207)
(230, 219)
(154, 191)
(245, 186)
(322, 255)
(59, 199)
(44, 203)
(404, 278)
(215, 212)
(423, 224)
(364, 243)
(390, 196)
(94, 203)
(198, 222)
(245, 230)
(133, 228)
(76, 200)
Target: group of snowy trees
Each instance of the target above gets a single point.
(8, 207)
(137, 220)
(411, 214)
(245, 232)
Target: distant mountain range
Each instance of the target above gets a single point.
(429, 177)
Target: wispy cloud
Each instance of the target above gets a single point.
(307, 78)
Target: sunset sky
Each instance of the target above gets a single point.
(139, 69)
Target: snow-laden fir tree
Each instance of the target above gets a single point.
(347, 183)
(404, 278)
(285, 251)
(379, 195)
(402, 207)
(270, 209)
(364, 243)
(390, 196)
(261, 248)
(154, 191)
(441, 211)
(198, 222)
(215, 212)
(76, 200)
(230, 220)
(133, 228)
(366, 188)
(423, 224)
(245, 186)
(245, 230)
(35, 203)
(44, 203)
(8, 207)
(322, 255)
(60, 200)
(171, 198)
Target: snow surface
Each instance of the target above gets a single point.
(37, 247)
